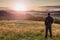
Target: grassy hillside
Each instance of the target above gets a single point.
(26, 30)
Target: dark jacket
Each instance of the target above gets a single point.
(48, 21)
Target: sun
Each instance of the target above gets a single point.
(19, 7)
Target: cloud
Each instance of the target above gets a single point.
(54, 8)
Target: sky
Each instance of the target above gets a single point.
(30, 4)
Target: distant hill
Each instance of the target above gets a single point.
(13, 15)
(4, 15)
(56, 13)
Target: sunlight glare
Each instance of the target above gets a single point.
(19, 7)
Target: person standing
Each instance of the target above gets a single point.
(48, 24)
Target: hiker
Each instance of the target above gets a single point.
(48, 24)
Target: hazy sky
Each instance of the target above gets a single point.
(32, 4)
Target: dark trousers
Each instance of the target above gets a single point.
(48, 28)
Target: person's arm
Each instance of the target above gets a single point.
(52, 20)
(45, 21)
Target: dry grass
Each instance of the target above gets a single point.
(13, 28)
